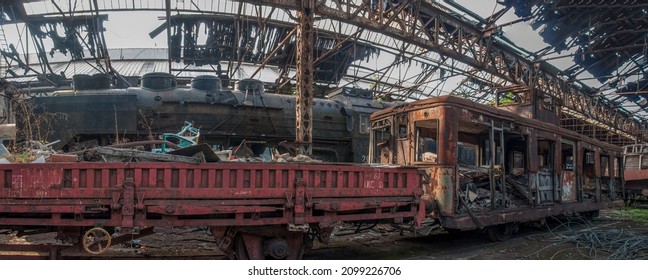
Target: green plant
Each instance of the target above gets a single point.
(635, 214)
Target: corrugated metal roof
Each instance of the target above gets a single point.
(137, 62)
(128, 68)
(138, 54)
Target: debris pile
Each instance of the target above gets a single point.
(33, 152)
(172, 147)
(286, 157)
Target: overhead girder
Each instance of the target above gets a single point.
(428, 26)
(450, 36)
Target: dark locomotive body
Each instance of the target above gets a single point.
(92, 116)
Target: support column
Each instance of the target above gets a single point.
(304, 109)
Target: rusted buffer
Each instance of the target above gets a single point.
(491, 169)
(254, 210)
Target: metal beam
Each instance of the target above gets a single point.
(303, 120)
(434, 29)
(453, 37)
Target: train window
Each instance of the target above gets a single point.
(545, 154)
(567, 155)
(605, 166)
(381, 143)
(589, 174)
(487, 153)
(547, 103)
(467, 153)
(617, 167)
(589, 157)
(515, 152)
(518, 160)
(402, 131)
(509, 97)
(427, 134)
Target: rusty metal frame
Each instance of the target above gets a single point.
(305, 90)
(443, 187)
(472, 46)
(432, 28)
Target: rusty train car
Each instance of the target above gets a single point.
(447, 160)
(635, 159)
(254, 210)
(93, 114)
(491, 168)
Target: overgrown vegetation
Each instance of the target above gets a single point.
(635, 214)
(33, 127)
(628, 213)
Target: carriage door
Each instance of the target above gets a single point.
(568, 177)
(546, 164)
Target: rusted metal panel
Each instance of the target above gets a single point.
(532, 145)
(448, 136)
(568, 183)
(38, 182)
(636, 181)
(466, 222)
(215, 194)
(443, 183)
(545, 186)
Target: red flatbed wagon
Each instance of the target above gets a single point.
(254, 210)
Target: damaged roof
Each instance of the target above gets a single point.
(607, 39)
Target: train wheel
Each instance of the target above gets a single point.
(500, 233)
(254, 247)
(96, 241)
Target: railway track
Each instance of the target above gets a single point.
(379, 242)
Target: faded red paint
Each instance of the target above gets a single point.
(215, 194)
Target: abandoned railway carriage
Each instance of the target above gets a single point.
(635, 158)
(490, 168)
(93, 114)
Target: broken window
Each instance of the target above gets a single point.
(605, 166)
(487, 155)
(545, 154)
(402, 131)
(518, 160)
(567, 153)
(427, 134)
(589, 157)
(466, 153)
(589, 174)
(548, 104)
(509, 97)
(381, 142)
(617, 167)
(516, 153)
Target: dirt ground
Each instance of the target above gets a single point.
(613, 235)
